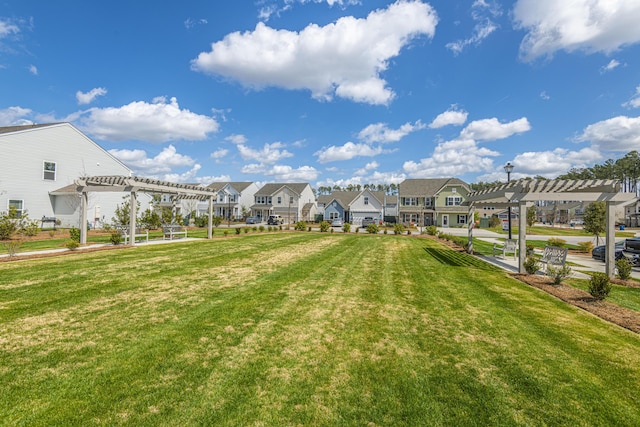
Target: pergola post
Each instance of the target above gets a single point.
(522, 236)
(132, 218)
(84, 202)
(470, 224)
(610, 240)
(210, 225)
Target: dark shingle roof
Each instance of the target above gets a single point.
(270, 189)
(427, 187)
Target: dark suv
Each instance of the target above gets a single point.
(631, 250)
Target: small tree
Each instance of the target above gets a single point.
(595, 219)
(599, 286)
(624, 268)
(398, 228)
(558, 273)
(531, 216)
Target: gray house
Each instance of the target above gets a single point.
(354, 206)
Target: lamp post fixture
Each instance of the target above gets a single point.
(508, 168)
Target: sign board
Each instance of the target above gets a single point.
(505, 225)
(554, 255)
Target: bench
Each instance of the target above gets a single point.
(554, 256)
(139, 234)
(47, 219)
(510, 247)
(169, 232)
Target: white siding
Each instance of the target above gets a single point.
(21, 171)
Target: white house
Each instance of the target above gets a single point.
(234, 198)
(39, 165)
(293, 202)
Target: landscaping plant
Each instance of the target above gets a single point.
(624, 267)
(558, 273)
(599, 286)
(398, 228)
(531, 265)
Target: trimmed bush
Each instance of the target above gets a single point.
(238, 230)
(300, 226)
(373, 228)
(556, 241)
(432, 230)
(324, 226)
(12, 246)
(72, 244)
(624, 268)
(558, 274)
(115, 238)
(585, 247)
(599, 286)
(346, 227)
(398, 228)
(531, 265)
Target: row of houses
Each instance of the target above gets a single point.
(41, 163)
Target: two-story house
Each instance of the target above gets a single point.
(234, 199)
(292, 201)
(354, 206)
(39, 165)
(436, 201)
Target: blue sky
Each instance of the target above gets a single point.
(330, 91)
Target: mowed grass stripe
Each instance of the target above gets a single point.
(315, 330)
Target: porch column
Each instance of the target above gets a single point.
(610, 240)
(132, 219)
(84, 202)
(470, 224)
(522, 236)
(210, 225)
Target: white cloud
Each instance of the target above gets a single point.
(492, 129)
(156, 122)
(219, 154)
(283, 173)
(15, 116)
(380, 132)
(236, 139)
(88, 97)
(613, 64)
(544, 95)
(345, 58)
(452, 158)
(587, 25)
(452, 116)
(346, 152)
(189, 23)
(620, 133)
(271, 9)
(634, 102)
(552, 163)
(156, 167)
(7, 28)
(482, 13)
(33, 70)
(270, 153)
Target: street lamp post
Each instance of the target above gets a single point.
(508, 168)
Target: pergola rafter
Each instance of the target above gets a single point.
(133, 185)
(524, 193)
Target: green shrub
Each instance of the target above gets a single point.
(432, 230)
(72, 244)
(245, 229)
(13, 246)
(346, 227)
(74, 234)
(531, 265)
(8, 226)
(324, 226)
(261, 228)
(226, 232)
(30, 228)
(556, 241)
(558, 273)
(624, 268)
(357, 230)
(115, 238)
(398, 228)
(599, 286)
(238, 230)
(373, 228)
(300, 226)
(585, 247)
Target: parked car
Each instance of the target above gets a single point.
(367, 220)
(599, 252)
(253, 220)
(631, 250)
(275, 220)
(337, 223)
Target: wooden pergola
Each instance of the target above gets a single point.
(524, 193)
(134, 185)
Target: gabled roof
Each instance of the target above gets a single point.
(345, 198)
(238, 186)
(427, 186)
(273, 188)
(9, 129)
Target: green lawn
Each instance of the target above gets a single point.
(558, 231)
(301, 329)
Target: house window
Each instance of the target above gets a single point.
(334, 215)
(409, 218)
(49, 171)
(427, 201)
(454, 190)
(366, 200)
(410, 201)
(17, 205)
(453, 201)
(279, 200)
(462, 219)
(221, 197)
(291, 200)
